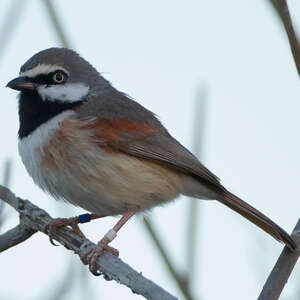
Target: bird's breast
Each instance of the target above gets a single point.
(66, 159)
(32, 147)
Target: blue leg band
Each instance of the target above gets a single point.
(84, 218)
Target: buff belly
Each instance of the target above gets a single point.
(66, 161)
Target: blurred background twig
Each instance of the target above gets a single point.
(181, 281)
(10, 23)
(55, 21)
(194, 212)
(282, 10)
(6, 179)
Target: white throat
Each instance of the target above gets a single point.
(42, 134)
(67, 92)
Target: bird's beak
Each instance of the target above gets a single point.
(22, 84)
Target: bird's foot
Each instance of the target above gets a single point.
(62, 222)
(91, 257)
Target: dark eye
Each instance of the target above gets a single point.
(59, 77)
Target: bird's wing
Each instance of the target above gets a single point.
(121, 124)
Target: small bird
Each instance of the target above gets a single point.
(85, 142)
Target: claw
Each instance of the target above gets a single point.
(49, 229)
(61, 222)
(52, 242)
(91, 257)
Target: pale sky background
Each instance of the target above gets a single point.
(161, 53)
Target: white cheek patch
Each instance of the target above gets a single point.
(67, 92)
(42, 69)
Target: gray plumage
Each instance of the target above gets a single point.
(79, 69)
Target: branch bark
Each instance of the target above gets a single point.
(33, 219)
(282, 269)
(15, 236)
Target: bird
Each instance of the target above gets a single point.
(91, 145)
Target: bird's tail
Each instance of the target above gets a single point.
(256, 217)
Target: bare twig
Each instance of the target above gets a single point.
(11, 20)
(56, 23)
(282, 269)
(7, 172)
(180, 280)
(15, 236)
(194, 205)
(282, 11)
(5, 182)
(111, 267)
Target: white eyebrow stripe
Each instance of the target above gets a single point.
(42, 69)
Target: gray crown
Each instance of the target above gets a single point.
(79, 69)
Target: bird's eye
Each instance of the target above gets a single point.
(59, 77)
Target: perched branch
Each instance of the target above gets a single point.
(15, 236)
(282, 269)
(282, 11)
(112, 268)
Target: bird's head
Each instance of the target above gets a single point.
(59, 74)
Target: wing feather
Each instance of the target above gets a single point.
(121, 124)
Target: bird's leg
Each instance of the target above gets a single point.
(91, 258)
(73, 222)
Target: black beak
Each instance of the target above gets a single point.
(22, 84)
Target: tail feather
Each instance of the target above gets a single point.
(256, 217)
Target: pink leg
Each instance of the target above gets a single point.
(103, 243)
(123, 220)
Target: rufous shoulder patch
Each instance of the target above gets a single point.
(110, 133)
(57, 151)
